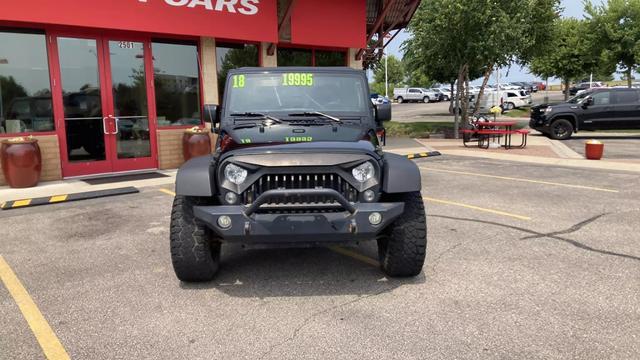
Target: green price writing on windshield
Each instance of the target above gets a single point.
(297, 79)
(238, 81)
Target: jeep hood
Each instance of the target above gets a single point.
(306, 153)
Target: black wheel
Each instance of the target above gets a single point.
(561, 129)
(445, 98)
(403, 245)
(426, 100)
(195, 251)
(400, 100)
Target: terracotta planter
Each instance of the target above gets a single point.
(21, 162)
(195, 143)
(593, 150)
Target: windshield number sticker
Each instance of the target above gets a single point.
(298, 139)
(297, 79)
(238, 81)
(245, 141)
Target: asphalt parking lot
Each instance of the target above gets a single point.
(524, 261)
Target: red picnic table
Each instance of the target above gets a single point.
(494, 130)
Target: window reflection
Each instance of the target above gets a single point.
(330, 58)
(81, 98)
(177, 84)
(233, 56)
(25, 90)
(295, 57)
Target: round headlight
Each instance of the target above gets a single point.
(235, 174)
(364, 172)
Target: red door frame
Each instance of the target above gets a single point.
(112, 163)
(120, 165)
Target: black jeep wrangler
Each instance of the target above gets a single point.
(297, 164)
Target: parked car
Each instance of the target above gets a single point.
(446, 92)
(595, 109)
(508, 100)
(402, 95)
(440, 95)
(540, 85)
(379, 99)
(514, 99)
(509, 86)
(574, 90)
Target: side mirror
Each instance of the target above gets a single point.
(383, 112)
(212, 116)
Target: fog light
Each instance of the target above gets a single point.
(230, 198)
(369, 196)
(375, 218)
(224, 222)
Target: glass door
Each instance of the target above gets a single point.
(128, 83)
(85, 146)
(104, 88)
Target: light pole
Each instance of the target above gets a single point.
(386, 75)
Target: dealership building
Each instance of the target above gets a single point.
(111, 86)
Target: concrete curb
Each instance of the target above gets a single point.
(62, 198)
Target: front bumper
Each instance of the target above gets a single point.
(539, 123)
(250, 226)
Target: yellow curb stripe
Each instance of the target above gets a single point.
(354, 255)
(411, 156)
(49, 342)
(2, 205)
(58, 198)
(424, 154)
(168, 192)
(20, 203)
(523, 180)
(473, 207)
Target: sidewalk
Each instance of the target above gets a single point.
(540, 150)
(72, 186)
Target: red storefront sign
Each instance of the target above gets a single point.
(334, 23)
(252, 20)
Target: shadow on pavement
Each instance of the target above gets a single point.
(299, 273)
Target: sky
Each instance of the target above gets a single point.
(572, 8)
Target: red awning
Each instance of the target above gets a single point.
(251, 20)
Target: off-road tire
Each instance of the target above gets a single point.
(195, 251)
(561, 129)
(403, 245)
(400, 100)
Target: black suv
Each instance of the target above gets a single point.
(297, 164)
(597, 109)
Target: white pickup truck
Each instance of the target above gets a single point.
(414, 94)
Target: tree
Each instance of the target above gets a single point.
(616, 25)
(459, 40)
(395, 74)
(570, 55)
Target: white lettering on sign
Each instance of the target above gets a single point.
(244, 7)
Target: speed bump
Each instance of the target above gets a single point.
(57, 199)
(423, 155)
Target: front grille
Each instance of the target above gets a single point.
(300, 181)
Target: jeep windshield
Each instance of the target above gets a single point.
(293, 93)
